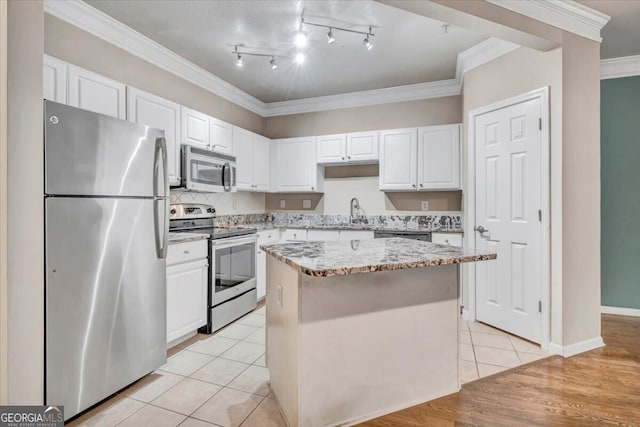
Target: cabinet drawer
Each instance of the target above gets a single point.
(451, 239)
(268, 236)
(187, 251)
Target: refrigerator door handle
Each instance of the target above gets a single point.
(160, 159)
(161, 226)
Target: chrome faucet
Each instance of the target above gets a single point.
(355, 206)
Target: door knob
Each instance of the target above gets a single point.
(481, 229)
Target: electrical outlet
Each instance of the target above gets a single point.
(424, 205)
(283, 203)
(306, 204)
(234, 203)
(279, 294)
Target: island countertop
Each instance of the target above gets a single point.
(333, 258)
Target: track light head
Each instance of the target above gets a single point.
(273, 63)
(367, 43)
(239, 61)
(330, 38)
(300, 58)
(300, 39)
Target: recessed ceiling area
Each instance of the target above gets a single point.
(408, 48)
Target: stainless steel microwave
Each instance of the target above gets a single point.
(204, 170)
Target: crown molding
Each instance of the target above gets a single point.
(568, 15)
(93, 21)
(480, 54)
(412, 92)
(625, 66)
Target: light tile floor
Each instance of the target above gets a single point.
(221, 380)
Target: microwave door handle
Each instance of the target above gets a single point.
(226, 169)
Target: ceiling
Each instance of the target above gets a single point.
(621, 35)
(408, 48)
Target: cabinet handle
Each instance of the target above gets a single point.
(413, 185)
(348, 157)
(447, 241)
(187, 252)
(312, 188)
(343, 158)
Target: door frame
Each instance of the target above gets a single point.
(545, 205)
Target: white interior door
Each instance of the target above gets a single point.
(508, 199)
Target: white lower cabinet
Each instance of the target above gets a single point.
(294, 234)
(323, 235)
(356, 234)
(267, 236)
(451, 239)
(187, 275)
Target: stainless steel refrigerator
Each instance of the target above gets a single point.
(106, 212)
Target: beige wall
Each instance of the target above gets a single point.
(3, 204)
(71, 44)
(434, 111)
(25, 204)
(343, 183)
(513, 74)
(580, 189)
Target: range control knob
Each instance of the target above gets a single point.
(172, 211)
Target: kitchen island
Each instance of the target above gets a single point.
(357, 329)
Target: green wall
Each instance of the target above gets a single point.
(620, 153)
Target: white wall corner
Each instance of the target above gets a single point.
(577, 348)
(93, 21)
(625, 66)
(621, 311)
(568, 15)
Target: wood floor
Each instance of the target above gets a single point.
(597, 388)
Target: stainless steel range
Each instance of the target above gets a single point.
(232, 263)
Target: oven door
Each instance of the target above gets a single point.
(233, 270)
(203, 170)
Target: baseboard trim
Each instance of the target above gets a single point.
(622, 311)
(577, 348)
(466, 315)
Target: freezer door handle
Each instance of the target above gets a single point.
(160, 162)
(161, 226)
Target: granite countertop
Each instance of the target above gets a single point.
(334, 258)
(186, 237)
(363, 227)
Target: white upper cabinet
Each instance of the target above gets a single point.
(261, 163)
(332, 149)
(54, 79)
(362, 147)
(398, 159)
(220, 136)
(294, 165)
(359, 147)
(195, 128)
(93, 92)
(156, 112)
(439, 157)
(252, 157)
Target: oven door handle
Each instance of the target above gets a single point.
(233, 241)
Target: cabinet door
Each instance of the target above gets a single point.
(261, 165)
(261, 274)
(439, 157)
(243, 142)
(451, 239)
(398, 162)
(186, 298)
(323, 235)
(356, 234)
(54, 79)
(159, 113)
(221, 136)
(296, 169)
(331, 149)
(362, 147)
(93, 92)
(294, 234)
(194, 127)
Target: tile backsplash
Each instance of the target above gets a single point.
(225, 203)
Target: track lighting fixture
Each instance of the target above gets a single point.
(300, 58)
(239, 54)
(300, 39)
(330, 38)
(367, 43)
